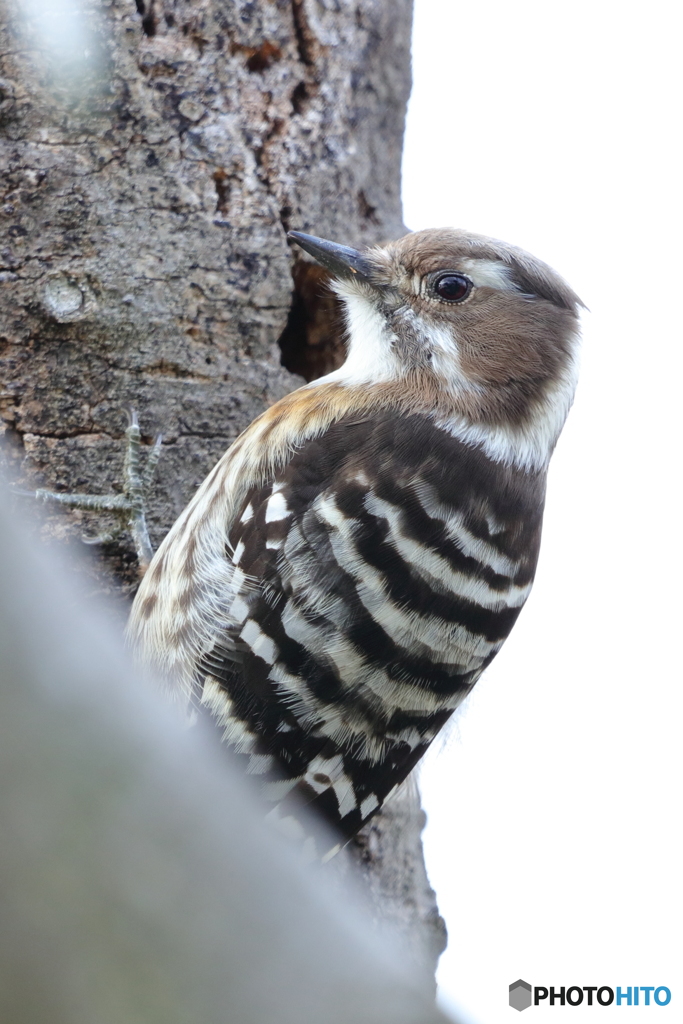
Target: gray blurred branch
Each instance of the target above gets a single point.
(137, 881)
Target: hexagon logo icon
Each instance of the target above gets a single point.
(520, 995)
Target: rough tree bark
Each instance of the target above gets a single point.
(150, 166)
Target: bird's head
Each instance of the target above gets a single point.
(459, 315)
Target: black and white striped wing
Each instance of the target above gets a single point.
(392, 561)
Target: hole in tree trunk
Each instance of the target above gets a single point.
(312, 343)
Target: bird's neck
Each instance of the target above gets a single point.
(515, 423)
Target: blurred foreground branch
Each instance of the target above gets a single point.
(138, 882)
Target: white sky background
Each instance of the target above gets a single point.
(553, 838)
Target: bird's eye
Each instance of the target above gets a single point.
(453, 287)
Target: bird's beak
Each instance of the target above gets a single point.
(339, 259)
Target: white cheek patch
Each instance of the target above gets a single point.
(442, 343)
(528, 446)
(440, 339)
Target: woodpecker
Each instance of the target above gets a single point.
(358, 556)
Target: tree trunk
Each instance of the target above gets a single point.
(153, 155)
